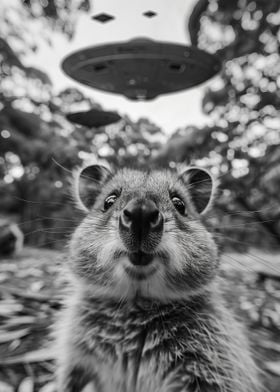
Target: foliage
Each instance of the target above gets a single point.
(241, 142)
(39, 147)
(62, 15)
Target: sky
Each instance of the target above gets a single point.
(170, 111)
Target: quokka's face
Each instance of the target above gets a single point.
(142, 235)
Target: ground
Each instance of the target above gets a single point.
(31, 292)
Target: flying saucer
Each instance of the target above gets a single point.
(141, 69)
(93, 118)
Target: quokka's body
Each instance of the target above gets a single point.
(146, 313)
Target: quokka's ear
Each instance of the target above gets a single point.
(88, 183)
(200, 186)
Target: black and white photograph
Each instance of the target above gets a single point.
(139, 196)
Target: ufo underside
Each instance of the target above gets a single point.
(141, 69)
(93, 118)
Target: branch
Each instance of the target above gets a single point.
(194, 20)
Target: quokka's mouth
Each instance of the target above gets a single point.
(140, 259)
(141, 272)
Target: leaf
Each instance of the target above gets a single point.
(13, 335)
(273, 367)
(4, 387)
(20, 320)
(46, 297)
(7, 309)
(50, 387)
(270, 345)
(41, 355)
(89, 388)
(4, 276)
(26, 385)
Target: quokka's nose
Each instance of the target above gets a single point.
(141, 217)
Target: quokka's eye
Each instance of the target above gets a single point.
(109, 201)
(178, 204)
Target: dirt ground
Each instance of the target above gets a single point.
(31, 292)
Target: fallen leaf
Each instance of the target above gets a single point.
(89, 388)
(4, 387)
(8, 308)
(41, 355)
(273, 367)
(13, 335)
(36, 286)
(14, 345)
(50, 387)
(26, 385)
(270, 345)
(20, 320)
(4, 276)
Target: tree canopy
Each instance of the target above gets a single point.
(39, 147)
(241, 142)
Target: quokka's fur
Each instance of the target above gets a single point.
(166, 329)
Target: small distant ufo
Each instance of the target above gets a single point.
(141, 69)
(93, 118)
(149, 14)
(103, 18)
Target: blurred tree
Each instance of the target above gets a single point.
(29, 130)
(62, 15)
(38, 146)
(241, 144)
